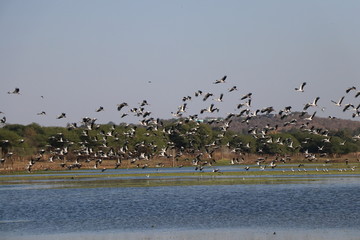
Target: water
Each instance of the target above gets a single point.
(329, 209)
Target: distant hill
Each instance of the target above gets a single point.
(292, 121)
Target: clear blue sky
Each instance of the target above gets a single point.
(80, 55)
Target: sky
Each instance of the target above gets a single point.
(74, 56)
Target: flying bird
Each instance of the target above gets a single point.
(207, 95)
(210, 109)
(62, 115)
(198, 93)
(301, 88)
(339, 102)
(182, 108)
(41, 113)
(222, 80)
(350, 88)
(100, 109)
(246, 96)
(184, 99)
(143, 103)
(233, 89)
(121, 105)
(347, 106)
(313, 104)
(220, 98)
(311, 117)
(16, 91)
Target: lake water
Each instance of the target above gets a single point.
(324, 209)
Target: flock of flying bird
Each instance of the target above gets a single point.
(59, 147)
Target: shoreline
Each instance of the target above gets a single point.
(21, 164)
(247, 233)
(154, 177)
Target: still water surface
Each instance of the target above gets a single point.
(310, 210)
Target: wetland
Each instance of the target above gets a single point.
(178, 203)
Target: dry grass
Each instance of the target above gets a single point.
(19, 164)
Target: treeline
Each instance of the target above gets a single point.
(157, 138)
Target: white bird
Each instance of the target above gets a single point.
(182, 108)
(339, 102)
(210, 109)
(3, 120)
(220, 98)
(301, 88)
(311, 117)
(163, 152)
(222, 80)
(312, 104)
(16, 91)
(41, 113)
